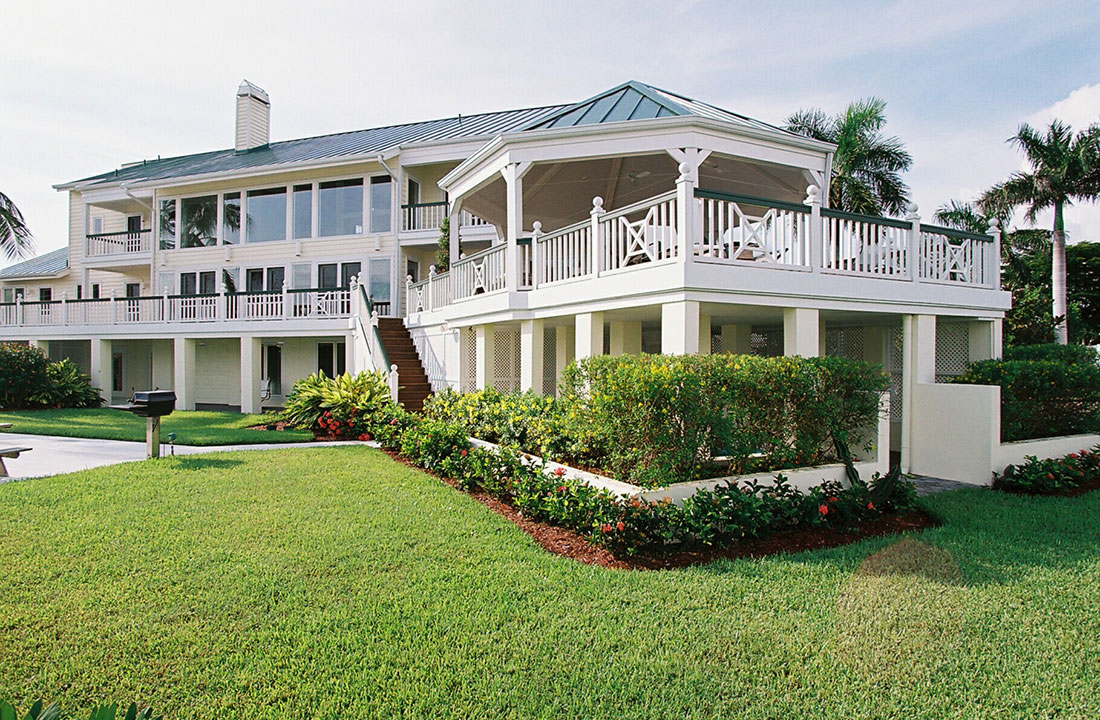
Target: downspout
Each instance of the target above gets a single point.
(396, 278)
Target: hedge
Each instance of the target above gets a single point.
(1041, 398)
(1052, 352)
(1051, 476)
(29, 381)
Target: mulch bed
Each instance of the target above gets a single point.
(570, 544)
(1079, 490)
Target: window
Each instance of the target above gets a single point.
(379, 288)
(326, 275)
(95, 291)
(206, 283)
(303, 211)
(231, 218)
(45, 294)
(340, 208)
(331, 359)
(380, 193)
(266, 211)
(255, 280)
(276, 276)
(79, 292)
(347, 272)
(199, 222)
(133, 290)
(97, 225)
(9, 295)
(414, 270)
(256, 277)
(167, 230)
(414, 192)
(133, 224)
(230, 278)
(301, 275)
(188, 284)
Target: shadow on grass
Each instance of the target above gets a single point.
(198, 462)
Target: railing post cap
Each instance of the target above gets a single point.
(432, 270)
(537, 225)
(393, 368)
(114, 293)
(597, 204)
(994, 226)
(813, 195)
(685, 170)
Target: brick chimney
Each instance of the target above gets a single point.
(253, 117)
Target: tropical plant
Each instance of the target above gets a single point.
(337, 405)
(443, 248)
(867, 166)
(22, 374)
(53, 712)
(1065, 168)
(15, 238)
(66, 386)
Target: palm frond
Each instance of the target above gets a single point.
(15, 237)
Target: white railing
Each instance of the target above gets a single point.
(480, 273)
(93, 311)
(862, 245)
(266, 305)
(417, 296)
(118, 243)
(951, 256)
(41, 313)
(564, 254)
(138, 310)
(193, 308)
(423, 216)
(740, 229)
(639, 233)
(468, 219)
(439, 289)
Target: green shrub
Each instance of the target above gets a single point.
(53, 712)
(344, 406)
(1041, 398)
(1050, 476)
(22, 375)
(664, 419)
(67, 386)
(1053, 352)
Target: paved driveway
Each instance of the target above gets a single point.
(53, 455)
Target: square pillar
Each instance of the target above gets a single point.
(43, 345)
(801, 332)
(985, 339)
(680, 328)
(99, 366)
(704, 335)
(918, 366)
(531, 349)
(251, 374)
(485, 341)
(737, 339)
(183, 381)
(589, 329)
(626, 337)
(564, 349)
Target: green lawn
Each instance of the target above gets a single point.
(334, 582)
(191, 427)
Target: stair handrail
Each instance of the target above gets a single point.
(389, 367)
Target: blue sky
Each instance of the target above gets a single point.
(86, 90)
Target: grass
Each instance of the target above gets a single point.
(191, 427)
(334, 582)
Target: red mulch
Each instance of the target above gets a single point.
(570, 544)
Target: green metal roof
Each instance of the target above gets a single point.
(635, 100)
(52, 263)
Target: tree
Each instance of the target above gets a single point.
(867, 165)
(15, 238)
(443, 247)
(1064, 168)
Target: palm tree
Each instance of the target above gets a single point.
(867, 165)
(15, 239)
(1018, 246)
(1064, 168)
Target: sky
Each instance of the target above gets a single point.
(85, 87)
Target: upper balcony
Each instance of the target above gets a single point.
(115, 248)
(420, 224)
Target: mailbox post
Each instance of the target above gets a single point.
(151, 405)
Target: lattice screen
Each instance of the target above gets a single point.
(846, 342)
(715, 343)
(952, 350)
(506, 359)
(549, 362)
(469, 357)
(894, 362)
(766, 341)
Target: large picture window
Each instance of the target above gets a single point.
(340, 208)
(303, 211)
(199, 227)
(379, 288)
(167, 230)
(381, 191)
(231, 218)
(266, 210)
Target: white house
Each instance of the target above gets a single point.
(637, 220)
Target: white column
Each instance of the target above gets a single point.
(985, 340)
(251, 374)
(801, 332)
(530, 355)
(589, 329)
(484, 338)
(99, 368)
(680, 328)
(455, 230)
(918, 366)
(626, 337)
(183, 381)
(737, 339)
(704, 334)
(42, 345)
(564, 348)
(513, 180)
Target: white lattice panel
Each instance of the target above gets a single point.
(505, 360)
(715, 343)
(469, 358)
(846, 342)
(893, 368)
(952, 350)
(549, 362)
(766, 341)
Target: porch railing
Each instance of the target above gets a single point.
(118, 243)
(480, 273)
(862, 245)
(564, 254)
(742, 228)
(430, 216)
(952, 256)
(639, 233)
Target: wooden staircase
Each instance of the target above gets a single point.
(415, 387)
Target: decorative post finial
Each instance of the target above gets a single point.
(813, 195)
(597, 204)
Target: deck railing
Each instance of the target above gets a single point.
(118, 243)
(706, 226)
(430, 216)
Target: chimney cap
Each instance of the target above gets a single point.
(248, 89)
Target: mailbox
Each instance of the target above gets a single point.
(151, 405)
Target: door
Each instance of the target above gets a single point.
(133, 233)
(116, 373)
(275, 278)
(133, 306)
(273, 369)
(379, 287)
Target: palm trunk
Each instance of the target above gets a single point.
(1058, 278)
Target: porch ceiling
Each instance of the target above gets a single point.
(560, 193)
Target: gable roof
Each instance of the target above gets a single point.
(322, 147)
(52, 263)
(635, 100)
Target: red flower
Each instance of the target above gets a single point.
(464, 453)
(621, 526)
(561, 488)
(558, 472)
(364, 437)
(870, 506)
(833, 499)
(393, 422)
(605, 528)
(824, 509)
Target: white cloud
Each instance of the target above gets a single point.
(1079, 109)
